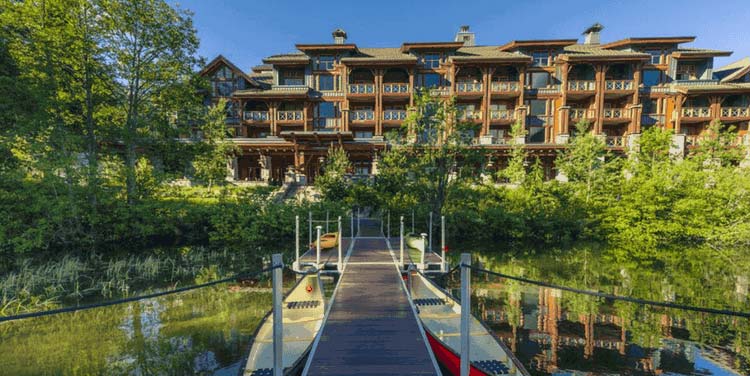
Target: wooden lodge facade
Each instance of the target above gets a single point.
(288, 111)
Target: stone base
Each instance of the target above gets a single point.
(633, 143)
(562, 138)
(520, 140)
(677, 150)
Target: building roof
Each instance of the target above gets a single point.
(218, 60)
(274, 91)
(326, 47)
(376, 55)
(647, 41)
(516, 44)
(712, 88)
(578, 52)
(262, 68)
(699, 52)
(733, 71)
(292, 57)
(488, 53)
(408, 46)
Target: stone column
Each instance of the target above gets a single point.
(564, 115)
(677, 149)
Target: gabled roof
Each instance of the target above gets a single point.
(262, 68)
(586, 52)
(289, 58)
(488, 54)
(734, 70)
(699, 53)
(217, 61)
(408, 46)
(516, 44)
(326, 47)
(388, 55)
(647, 40)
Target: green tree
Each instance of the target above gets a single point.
(586, 163)
(515, 171)
(332, 183)
(719, 145)
(214, 148)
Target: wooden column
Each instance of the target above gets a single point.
(486, 79)
(600, 70)
(715, 102)
(679, 101)
(522, 87)
(378, 113)
(637, 82)
(411, 87)
(272, 117)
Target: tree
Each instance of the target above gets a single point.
(332, 182)
(586, 163)
(718, 145)
(515, 171)
(214, 149)
(151, 46)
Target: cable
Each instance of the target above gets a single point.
(132, 299)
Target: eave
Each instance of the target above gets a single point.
(353, 61)
(700, 54)
(649, 40)
(585, 57)
(516, 44)
(222, 60)
(272, 93)
(435, 46)
(326, 47)
(490, 60)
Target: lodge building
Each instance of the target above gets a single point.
(286, 112)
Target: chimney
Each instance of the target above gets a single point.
(466, 36)
(592, 34)
(339, 36)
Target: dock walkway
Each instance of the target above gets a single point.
(371, 328)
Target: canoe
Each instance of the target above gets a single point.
(440, 315)
(303, 310)
(328, 240)
(415, 241)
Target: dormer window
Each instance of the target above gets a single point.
(686, 72)
(540, 58)
(223, 73)
(655, 56)
(291, 77)
(324, 62)
(431, 60)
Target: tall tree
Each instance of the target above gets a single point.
(151, 46)
(215, 150)
(586, 163)
(515, 171)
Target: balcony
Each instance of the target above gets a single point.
(582, 113)
(469, 115)
(735, 112)
(255, 116)
(693, 140)
(618, 85)
(326, 125)
(395, 89)
(394, 115)
(362, 115)
(289, 116)
(440, 91)
(615, 141)
(361, 89)
(469, 87)
(616, 114)
(505, 87)
(550, 90)
(501, 115)
(581, 85)
(696, 112)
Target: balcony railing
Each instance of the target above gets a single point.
(504, 86)
(255, 115)
(652, 119)
(469, 87)
(294, 115)
(326, 125)
(440, 91)
(735, 112)
(554, 89)
(616, 113)
(696, 112)
(615, 141)
(470, 115)
(361, 88)
(580, 85)
(582, 113)
(618, 85)
(539, 120)
(395, 88)
(361, 115)
(394, 115)
(501, 114)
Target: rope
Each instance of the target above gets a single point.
(132, 299)
(613, 297)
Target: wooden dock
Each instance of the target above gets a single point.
(371, 328)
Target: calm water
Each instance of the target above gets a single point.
(557, 332)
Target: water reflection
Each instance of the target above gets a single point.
(557, 332)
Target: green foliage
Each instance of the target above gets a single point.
(333, 183)
(214, 149)
(515, 171)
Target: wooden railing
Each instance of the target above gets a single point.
(615, 141)
(470, 115)
(582, 113)
(735, 112)
(580, 85)
(255, 115)
(326, 125)
(693, 140)
(440, 91)
(294, 115)
(469, 87)
(554, 89)
(504, 86)
(361, 88)
(696, 112)
(395, 88)
(618, 85)
(616, 113)
(501, 114)
(391, 115)
(361, 115)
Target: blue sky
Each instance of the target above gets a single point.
(246, 31)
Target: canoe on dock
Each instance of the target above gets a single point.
(440, 315)
(415, 241)
(303, 310)
(328, 240)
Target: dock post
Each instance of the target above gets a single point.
(296, 243)
(421, 257)
(412, 221)
(278, 320)
(309, 227)
(327, 217)
(465, 311)
(401, 265)
(317, 246)
(381, 224)
(352, 228)
(358, 221)
(442, 243)
(430, 233)
(340, 265)
(389, 225)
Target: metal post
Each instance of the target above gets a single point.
(296, 242)
(389, 225)
(412, 221)
(340, 265)
(327, 217)
(429, 244)
(442, 243)
(309, 227)
(317, 246)
(410, 279)
(352, 228)
(381, 224)
(278, 320)
(401, 265)
(465, 311)
(358, 221)
(421, 257)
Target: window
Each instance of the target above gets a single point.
(325, 113)
(292, 77)
(324, 62)
(326, 82)
(686, 72)
(223, 73)
(362, 169)
(537, 107)
(431, 60)
(540, 58)
(651, 77)
(222, 88)
(363, 134)
(538, 79)
(655, 56)
(428, 80)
